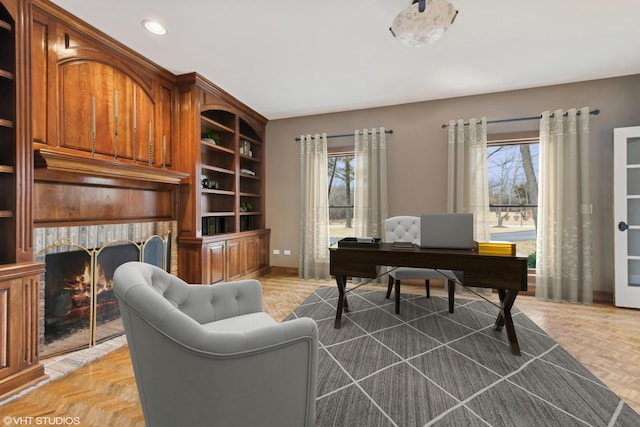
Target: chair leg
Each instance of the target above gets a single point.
(397, 296)
(426, 287)
(390, 286)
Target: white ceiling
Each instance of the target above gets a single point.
(287, 58)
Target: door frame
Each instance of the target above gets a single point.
(625, 295)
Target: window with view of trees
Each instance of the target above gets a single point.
(513, 193)
(340, 184)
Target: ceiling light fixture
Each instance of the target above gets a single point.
(154, 27)
(423, 22)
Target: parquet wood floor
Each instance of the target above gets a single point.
(603, 338)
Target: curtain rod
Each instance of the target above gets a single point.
(346, 134)
(519, 119)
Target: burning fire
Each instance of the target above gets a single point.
(80, 285)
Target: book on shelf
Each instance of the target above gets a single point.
(495, 247)
(213, 225)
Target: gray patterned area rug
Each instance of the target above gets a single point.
(427, 367)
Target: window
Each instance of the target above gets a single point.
(340, 184)
(512, 164)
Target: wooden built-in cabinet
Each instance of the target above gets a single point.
(93, 133)
(223, 152)
(96, 109)
(19, 360)
(19, 275)
(224, 258)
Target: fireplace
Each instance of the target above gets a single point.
(78, 306)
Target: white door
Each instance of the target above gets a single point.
(626, 215)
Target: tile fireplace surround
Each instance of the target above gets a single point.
(58, 240)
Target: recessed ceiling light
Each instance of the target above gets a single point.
(154, 27)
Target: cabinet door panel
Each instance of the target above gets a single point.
(96, 96)
(233, 259)
(251, 253)
(163, 142)
(216, 263)
(10, 346)
(144, 124)
(81, 85)
(263, 256)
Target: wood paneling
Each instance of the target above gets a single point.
(39, 70)
(75, 203)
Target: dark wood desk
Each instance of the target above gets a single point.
(505, 273)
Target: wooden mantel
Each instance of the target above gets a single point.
(71, 161)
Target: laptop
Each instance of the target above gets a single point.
(446, 231)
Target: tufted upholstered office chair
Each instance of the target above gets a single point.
(208, 354)
(406, 229)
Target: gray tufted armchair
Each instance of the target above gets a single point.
(207, 355)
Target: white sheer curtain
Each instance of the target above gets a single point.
(468, 188)
(314, 209)
(563, 252)
(370, 192)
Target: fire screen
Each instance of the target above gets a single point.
(80, 307)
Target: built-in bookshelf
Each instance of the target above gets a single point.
(218, 172)
(251, 191)
(7, 137)
(222, 222)
(231, 174)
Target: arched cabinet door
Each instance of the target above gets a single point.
(626, 215)
(104, 111)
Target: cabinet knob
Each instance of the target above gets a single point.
(622, 226)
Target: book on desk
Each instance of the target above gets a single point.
(402, 245)
(495, 247)
(359, 242)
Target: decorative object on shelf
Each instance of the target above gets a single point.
(245, 148)
(248, 172)
(423, 22)
(210, 136)
(245, 206)
(210, 184)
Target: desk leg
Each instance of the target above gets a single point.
(507, 298)
(451, 288)
(343, 305)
